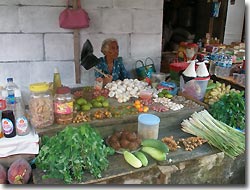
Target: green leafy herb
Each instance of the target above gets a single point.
(230, 109)
(71, 152)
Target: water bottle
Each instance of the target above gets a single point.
(10, 88)
(22, 124)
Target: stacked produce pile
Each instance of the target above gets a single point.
(233, 112)
(189, 143)
(216, 90)
(124, 140)
(226, 104)
(220, 135)
(150, 147)
(91, 104)
(124, 90)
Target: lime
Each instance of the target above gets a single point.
(89, 104)
(160, 95)
(77, 107)
(169, 96)
(100, 98)
(97, 104)
(105, 103)
(81, 101)
(85, 107)
(165, 91)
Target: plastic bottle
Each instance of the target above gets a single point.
(56, 80)
(10, 88)
(22, 124)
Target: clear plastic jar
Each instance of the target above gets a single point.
(63, 106)
(41, 105)
(148, 126)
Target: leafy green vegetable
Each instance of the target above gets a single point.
(71, 152)
(230, 109)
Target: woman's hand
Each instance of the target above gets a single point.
(99, 79)
(107, 79)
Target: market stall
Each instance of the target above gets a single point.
(103, 113)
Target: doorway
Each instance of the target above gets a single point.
(189, 21)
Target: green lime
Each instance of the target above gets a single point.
(160, 95)
(81, 101)
(85, 107)
(105, 104)
(100, 98)
(77, 107)
(89, 104)
(169, 96)
(97, 104)
(165, 91)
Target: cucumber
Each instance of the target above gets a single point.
(154, 153)
(132, 159)
(155, 143)
(142, 157)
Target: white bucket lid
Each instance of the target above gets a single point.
(148, 119)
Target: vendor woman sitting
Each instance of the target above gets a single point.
(111, 64)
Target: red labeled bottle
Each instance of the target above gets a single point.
(8, 124)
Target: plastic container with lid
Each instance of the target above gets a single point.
(195, 87)
(41, 105)
(148, 126)
(63, 105)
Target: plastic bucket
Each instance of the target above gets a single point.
(195, 88)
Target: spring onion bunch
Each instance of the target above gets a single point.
(220, 135)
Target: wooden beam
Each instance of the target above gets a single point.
(77, 50)
(211, 26)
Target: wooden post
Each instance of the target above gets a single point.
(211, 26)
(77, 50)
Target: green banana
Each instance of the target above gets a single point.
(155, 143)
(154, 153)
(142, 157)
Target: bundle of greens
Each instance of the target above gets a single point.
(230, 109)
(71, 152)
(227, 139)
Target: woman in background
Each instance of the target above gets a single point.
(111, 64)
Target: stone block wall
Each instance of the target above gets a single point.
(211, 170)
(32, 43)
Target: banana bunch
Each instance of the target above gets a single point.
(152, 147)
(214, 94)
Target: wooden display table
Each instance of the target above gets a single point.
(169, 126)
(120, 172)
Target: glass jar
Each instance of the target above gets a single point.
(41, 105)
(63, 105)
